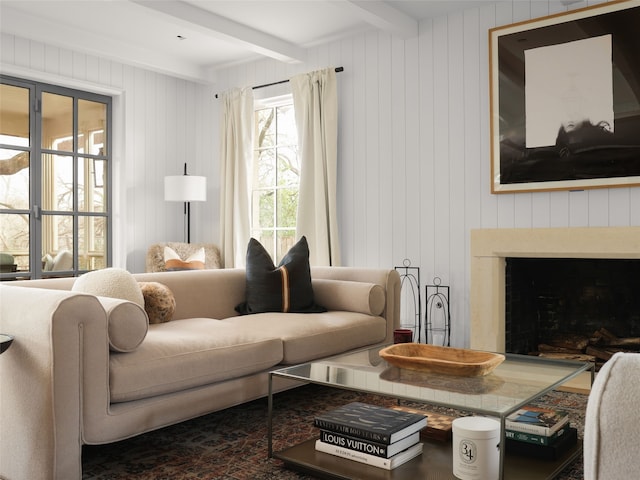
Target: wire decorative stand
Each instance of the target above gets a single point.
(437, 314)
(410, 298)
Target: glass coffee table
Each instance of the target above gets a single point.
(519, 380)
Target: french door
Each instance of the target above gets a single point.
(55, 180)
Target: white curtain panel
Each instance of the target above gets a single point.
(236, 152)
(315, 100)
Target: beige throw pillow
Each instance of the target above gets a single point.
(110, 282)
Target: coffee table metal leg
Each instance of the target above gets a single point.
(270, 418)
(503, 447)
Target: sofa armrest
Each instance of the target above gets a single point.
(59, 339)
(388, 279)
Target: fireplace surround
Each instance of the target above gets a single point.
(491, 247)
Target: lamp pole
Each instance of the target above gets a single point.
(187, 211)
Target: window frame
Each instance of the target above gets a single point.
(36, 212)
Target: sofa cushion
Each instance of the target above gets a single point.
(173, 262)
(285, 288)
(127, 324)
(110, 282)
(306, 337)
(360, 297)
(159, 302)
(189, 353)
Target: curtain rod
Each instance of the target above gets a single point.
(338, 70)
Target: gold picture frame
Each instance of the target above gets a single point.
(565, 100)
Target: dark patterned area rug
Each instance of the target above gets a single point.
(232, 444)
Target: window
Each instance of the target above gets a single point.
(55, 160)
(276, 176)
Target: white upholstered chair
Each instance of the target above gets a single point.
(612, 423)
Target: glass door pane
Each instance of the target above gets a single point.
(92, 245)
(92, 180)
(57, 183)
(92, 121)
(14, 242)
(57, 242)
(15, 177)
(57, 122)
(14, 115)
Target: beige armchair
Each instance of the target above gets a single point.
(155, 255)
(612, 424)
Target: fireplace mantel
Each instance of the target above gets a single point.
(490, 248)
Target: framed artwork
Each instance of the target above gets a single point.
(565, 100)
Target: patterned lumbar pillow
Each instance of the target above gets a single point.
(173, 262)
(159, 302)
(285, 288)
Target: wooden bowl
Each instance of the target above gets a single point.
(444, 360)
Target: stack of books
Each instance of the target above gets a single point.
(540, 432)
(370, 434)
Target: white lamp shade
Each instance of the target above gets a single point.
(185, 188)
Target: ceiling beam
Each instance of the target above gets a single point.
(384, 17)
(219, 27)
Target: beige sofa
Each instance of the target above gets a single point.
(62, 384)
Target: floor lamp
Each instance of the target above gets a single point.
(185, 188)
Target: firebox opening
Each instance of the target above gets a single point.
(550, 301)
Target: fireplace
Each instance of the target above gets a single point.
(491, 247)
(556, 306)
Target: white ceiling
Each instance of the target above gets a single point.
(192, 39)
